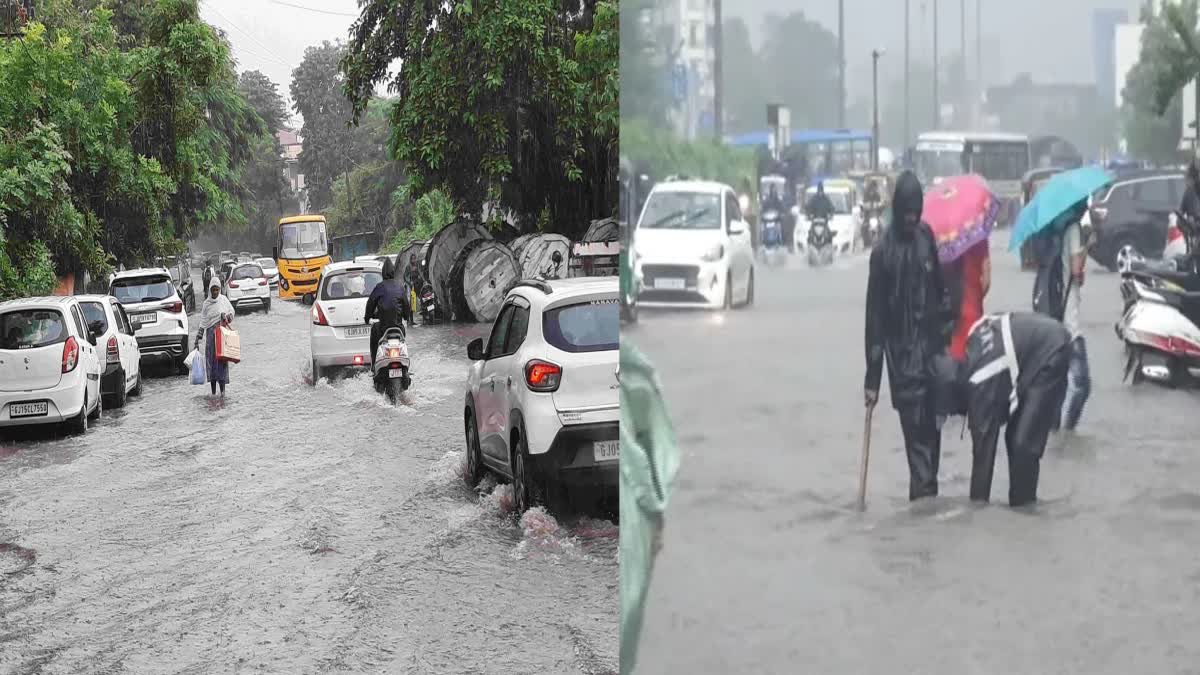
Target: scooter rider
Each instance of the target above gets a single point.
(1014, 376)
(819, 207)
(387, 303)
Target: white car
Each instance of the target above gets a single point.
(155, 311)
(339, 335)
(50, 364)
(122, 375)
(542, 404)
(845, 224)
(693, 247)
(271, 269)
(247, 287)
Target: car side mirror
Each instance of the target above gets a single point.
(475, 349)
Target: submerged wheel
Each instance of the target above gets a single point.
(79, 423)
(474, 470)
(118, 398)
(528, 491)
(137, 385)
(316, 373)
(99, 411)
(1127, 252)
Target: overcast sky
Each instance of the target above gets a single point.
(1051, 39)
(271, 35)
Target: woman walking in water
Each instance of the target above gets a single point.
(217, 311)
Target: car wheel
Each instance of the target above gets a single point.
(137, 385)
(1126, 252)
(527, 488)
(474, 471)
(316, 373)
(79, 423)
(118, 399)
(268, 306)
(99, 411)
(728, 303)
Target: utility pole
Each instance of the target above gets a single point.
(978, 90)
(841, 64)
(718, 75)
(875, 54)
(937, 105)
(907, 128)
(962, 60)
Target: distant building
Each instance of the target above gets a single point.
(1044, 109)
(1104, 31)
(290, 142)
(684, 30)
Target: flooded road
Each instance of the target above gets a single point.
(291, 529)
(767, 568)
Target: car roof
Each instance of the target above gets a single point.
(701, 186)
(535, 289)
(1142, 174)
(96, 297)
(348, 264)
(140, 272)
(38, 302)
(247, 263)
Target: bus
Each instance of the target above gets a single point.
(824, 152)
(302, 249)
(1001, 158)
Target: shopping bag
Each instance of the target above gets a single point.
(197, 367)
(229, 345)
(190, 357)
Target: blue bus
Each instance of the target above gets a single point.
(826, 152)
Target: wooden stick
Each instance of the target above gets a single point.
(866, 455)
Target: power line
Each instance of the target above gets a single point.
(271, 55)
(313, 9)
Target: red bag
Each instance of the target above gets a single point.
(229, 345)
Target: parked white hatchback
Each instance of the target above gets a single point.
(542, 403)
(122, 367)
(339, 335)
(247, 287)
(693, 247)
(49, 364)
(155, 311)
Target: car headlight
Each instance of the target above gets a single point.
(714, 254)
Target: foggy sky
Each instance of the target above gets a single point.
(1051, 39)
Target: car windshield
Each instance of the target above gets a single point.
(682, 211)
(31, 328)
(247, 272)
(840, 200)
(356, 284)
(142, 289)
(302, 240)
(94, 312)
(585, 327)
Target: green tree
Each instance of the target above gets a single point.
(511, 103)
(742, 74)
(1152, 109)
(263, 95)
(800, 69)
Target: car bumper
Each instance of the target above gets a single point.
(250, 301)
(673, 284)
(330, 350)
(572, 458)
(112, 382)
(63, 402)
(163, 346)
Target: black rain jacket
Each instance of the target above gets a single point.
(909, 318)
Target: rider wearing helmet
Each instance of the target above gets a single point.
(819, 207)
(389, 304)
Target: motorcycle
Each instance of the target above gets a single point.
(428, 304)
(820, 243)
(871, 226)
(773, 250)
(390, 367)
(1161, 319)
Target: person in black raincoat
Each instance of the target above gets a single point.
(909, 320)
(819, 206)
(1014, 376)
(1190, 206)
(388, 302)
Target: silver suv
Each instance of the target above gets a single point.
(156, 311)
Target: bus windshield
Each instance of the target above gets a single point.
(303, 240)
(938, 163)
(1000, 161)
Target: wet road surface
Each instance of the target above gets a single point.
(291, 529)
(767, 568)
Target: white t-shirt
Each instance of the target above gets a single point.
(1072, 245)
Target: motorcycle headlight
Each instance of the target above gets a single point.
(714, 254)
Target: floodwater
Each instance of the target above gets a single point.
(290, 528)
(767, 567)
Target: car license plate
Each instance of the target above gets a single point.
(28, 409)
(670, 284)
(143, 319)
(358, 331)
(395, 372)
(606, 451)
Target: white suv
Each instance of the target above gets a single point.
(156, 312)
(693, 247)
(542, 404)
(50, 365)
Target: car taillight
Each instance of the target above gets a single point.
(70, 357)
(174, 307)
(542, 375)
(1174, 233)
(233, 284)
(262, 281)
(318, 316)
(114, 356)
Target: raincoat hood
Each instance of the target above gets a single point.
(907, 203)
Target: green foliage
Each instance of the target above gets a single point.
(506, 102)
(263, 96)
(1152, 110)
(430, 212)
(704, 160)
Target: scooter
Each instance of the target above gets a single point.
(1161, 319)
(428, 303)
(871, 227)
(820, 243)
(390, 369)
(773, 250)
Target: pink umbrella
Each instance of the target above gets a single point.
(961, 211)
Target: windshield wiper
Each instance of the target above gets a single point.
(670, 216)
(151, 299)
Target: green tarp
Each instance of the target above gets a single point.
(649, 462)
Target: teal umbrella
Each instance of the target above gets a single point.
(1056, 196)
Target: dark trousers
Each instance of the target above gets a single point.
(1026, 429)
(922, 444)
(1079, 384)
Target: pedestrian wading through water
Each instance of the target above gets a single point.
(216, 312)
(909, 320)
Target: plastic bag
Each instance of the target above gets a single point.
(190, 357)
(197, 366)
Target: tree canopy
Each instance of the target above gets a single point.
(1152, 109)
(510, 103)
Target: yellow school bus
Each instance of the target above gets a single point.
(301, 250)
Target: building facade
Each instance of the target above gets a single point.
(290, 143)
(684, 30)
(1104, 63)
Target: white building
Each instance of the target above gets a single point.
(684, 29)
(291, 144)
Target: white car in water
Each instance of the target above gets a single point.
(247, 287)
(156, 312)
(693, 248)
(542, 403)
(50, 364)
(122, 376)
(271, 269)
(846, 223)
(339, 334)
